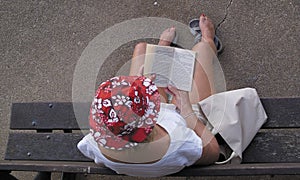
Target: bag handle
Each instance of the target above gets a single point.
(233, 155)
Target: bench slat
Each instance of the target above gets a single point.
(212, 170)
(44, 146)
(276, 145)
(242, 169)
(282, 112)
(54, 166)
(54, 116)
(268, 146)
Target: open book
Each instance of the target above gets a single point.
(171, 65)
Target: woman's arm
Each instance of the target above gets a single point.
(211, 149)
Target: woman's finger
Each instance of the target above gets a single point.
(168, 91)
(174, 90)
(152, 77)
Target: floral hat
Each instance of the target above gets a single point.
(124, 111)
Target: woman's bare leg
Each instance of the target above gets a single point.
(138, 57)
(203, 85)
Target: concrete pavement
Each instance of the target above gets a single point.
(41, 42)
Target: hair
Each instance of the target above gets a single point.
(145, 143)
(140, 149)
(150, 136)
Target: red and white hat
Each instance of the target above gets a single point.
(124, 111)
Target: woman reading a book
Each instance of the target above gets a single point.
(134, 130)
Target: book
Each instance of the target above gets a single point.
(172, 66)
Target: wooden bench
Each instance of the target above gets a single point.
(44, 136)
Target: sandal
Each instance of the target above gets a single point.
(195, 30)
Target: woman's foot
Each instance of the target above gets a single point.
(167, 37)
(207, 30)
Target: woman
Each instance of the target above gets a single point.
(131, 139)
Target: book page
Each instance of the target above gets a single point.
(183, 69)
(159, 61)
(149, 56)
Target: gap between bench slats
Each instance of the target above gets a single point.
(268, 146)
(282, 112)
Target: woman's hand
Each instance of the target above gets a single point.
(152, 77)
(210, 152)
(182, 101)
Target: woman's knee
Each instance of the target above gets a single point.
(203, 47)
(141, 46)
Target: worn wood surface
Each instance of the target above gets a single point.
(55, 166)
(274, 150)
(282, 112)
(48, 115)
(213, 170)
(44, 147)
(268, 146)
(276, 145)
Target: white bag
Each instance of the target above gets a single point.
(237, 116)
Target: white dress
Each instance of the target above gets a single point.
(184, 150)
